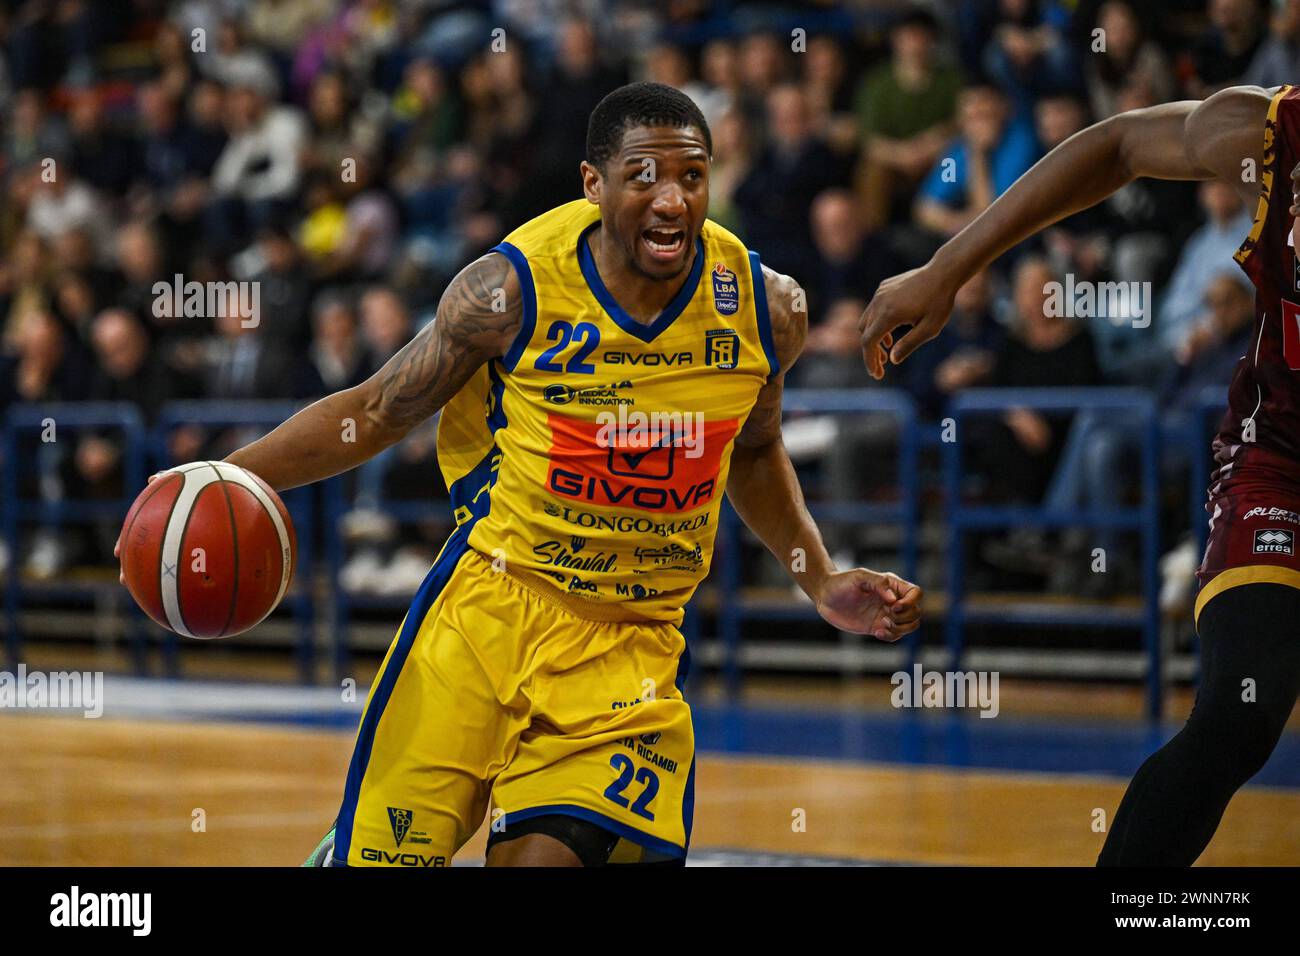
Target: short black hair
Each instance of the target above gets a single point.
(918, 17)
(639, 104)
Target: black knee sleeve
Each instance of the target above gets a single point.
(590, 843)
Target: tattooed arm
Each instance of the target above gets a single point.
(765, 492)
(478, 318)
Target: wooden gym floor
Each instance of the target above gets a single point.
(128, 792)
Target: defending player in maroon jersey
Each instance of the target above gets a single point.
(1248, 608)
(1265, 389)
(1254, 496)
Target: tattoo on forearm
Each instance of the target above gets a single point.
(477, 317)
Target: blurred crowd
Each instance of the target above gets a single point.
(350, 156)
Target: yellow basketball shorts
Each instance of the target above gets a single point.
(494, 695)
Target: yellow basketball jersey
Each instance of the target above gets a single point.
(591, 460)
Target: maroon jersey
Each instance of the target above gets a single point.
(1254, 500)
(1264, 398)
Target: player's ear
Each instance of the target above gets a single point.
(592, 182)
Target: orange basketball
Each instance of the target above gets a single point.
(207, 549)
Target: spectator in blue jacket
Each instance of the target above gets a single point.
(990, 153)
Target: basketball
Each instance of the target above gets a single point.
(207, 549)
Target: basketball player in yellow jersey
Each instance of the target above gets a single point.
(603, 376)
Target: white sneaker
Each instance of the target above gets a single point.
(363, 573)
(367, 525)
(808, 439)
(1178, 577)
(47, 557)
(406, 572)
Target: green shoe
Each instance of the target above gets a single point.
(323, 855)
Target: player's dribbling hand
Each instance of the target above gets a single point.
(117, 546)
(870, 602)
(921, 298)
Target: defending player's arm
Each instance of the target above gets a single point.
(1188, 140)
(477, 320)
(765, 492)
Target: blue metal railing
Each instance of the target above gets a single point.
(1142, 411)
(733, 610)
(144, 448)
(52, 424)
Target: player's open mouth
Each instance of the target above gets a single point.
(664, 243)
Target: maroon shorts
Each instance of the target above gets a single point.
(1254, 508)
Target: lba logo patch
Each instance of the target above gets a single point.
(1274, 541)
(726, 292)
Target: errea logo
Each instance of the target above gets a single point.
(1274, 541)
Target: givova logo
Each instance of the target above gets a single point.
(636, 431)
(648, 477)
(371, 855)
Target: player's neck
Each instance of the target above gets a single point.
(640, 295)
